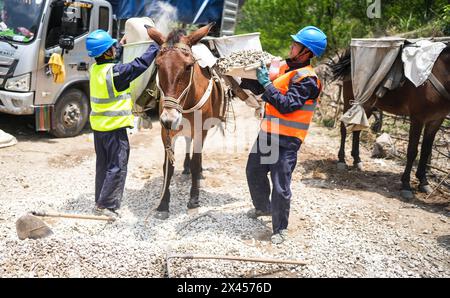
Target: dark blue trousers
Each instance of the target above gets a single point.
(280, 168)
(112, 149)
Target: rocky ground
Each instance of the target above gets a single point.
(345, 224)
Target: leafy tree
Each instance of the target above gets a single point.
(341, 20)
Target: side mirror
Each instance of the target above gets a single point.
(66, 42)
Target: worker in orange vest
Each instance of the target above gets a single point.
(290, 102)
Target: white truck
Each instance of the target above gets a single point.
(30, 32)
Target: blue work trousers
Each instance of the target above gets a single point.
(112, 149)
(280, 168)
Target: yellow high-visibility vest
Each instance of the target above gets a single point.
(110, 109)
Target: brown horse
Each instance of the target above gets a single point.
(427, 106)
(189, 106)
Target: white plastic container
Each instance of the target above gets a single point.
(228, 44)
(246, 72)
(131, 51)
(135, 30)
(138, 42)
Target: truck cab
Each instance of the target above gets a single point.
(31, 31)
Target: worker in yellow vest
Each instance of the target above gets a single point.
(290, 100)
(111, 114)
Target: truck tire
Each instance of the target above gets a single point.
(70, 114)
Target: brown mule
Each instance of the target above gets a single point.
(427, 106)
(189, 106)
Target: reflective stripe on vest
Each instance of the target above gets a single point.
(110, 109)
(293, 124)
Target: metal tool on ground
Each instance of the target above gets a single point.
(73, 216)
(29, 226)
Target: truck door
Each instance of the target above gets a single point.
(76, 61)
(69, 114)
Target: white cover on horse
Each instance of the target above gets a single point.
(203, 55)
(419, 58)
(373, 61)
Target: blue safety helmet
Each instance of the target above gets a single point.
(313, 38)
(99, 42)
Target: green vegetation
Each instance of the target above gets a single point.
(341, 20)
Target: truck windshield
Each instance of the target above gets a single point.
(20, 19)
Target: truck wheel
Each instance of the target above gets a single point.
(70, 114)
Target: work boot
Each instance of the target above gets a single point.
(279, 237)
(255, 213)
(111, 213)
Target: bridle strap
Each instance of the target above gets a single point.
(178, 45)
(174, 103)
(171, 102)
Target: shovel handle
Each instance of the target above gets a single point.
(74, 216)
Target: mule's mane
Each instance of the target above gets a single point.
(175, 36)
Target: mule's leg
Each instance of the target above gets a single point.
(201, 177)
(355, 145)
(378, 124)
(415, 130)
(341, 155)
(355, 150)
(196, 169)
(195, 187)
(168, 168)
(425, 152)
(187, 159)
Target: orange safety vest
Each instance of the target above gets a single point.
(293, 124)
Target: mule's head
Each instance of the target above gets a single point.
(175, 64)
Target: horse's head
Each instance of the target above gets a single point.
(175, 64)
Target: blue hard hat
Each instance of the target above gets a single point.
(313, 38)
(99, 42)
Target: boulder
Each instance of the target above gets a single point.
(384, 147)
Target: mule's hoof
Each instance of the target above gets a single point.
(186, 172)
(407, 194)
(341, 166)
(192, 205)
(425, 188)
(162, 215)
(359, 166)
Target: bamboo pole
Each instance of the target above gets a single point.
(231, 258)
(440, 183)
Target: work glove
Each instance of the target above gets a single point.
(263, 75)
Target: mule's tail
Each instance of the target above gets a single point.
(341, 67)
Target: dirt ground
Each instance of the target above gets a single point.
(350, 223)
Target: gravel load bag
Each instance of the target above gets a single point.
(371, 60)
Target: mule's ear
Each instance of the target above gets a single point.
(154, 34)
(198, 34)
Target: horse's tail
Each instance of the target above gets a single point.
(341, 67)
